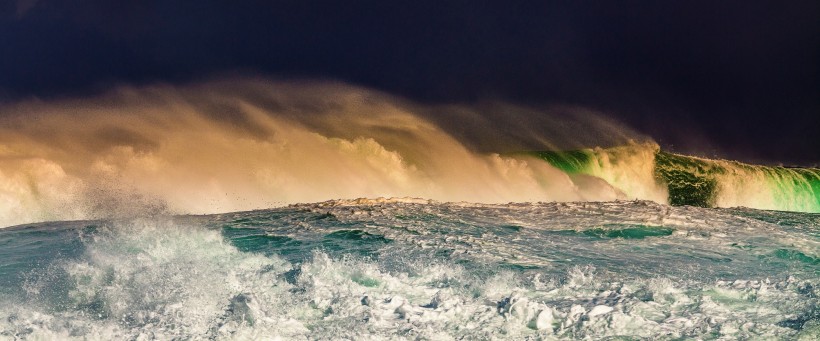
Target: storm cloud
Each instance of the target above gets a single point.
(730, 79)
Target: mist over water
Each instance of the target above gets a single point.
(244, 144)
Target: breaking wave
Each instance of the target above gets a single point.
(248, 144)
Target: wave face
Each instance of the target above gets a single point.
(416, 269)
(637, 170)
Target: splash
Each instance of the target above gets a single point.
(249, 144)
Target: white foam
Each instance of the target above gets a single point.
(149, 279)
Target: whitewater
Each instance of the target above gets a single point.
(417, 269)
(227, 210)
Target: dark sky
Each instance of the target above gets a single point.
(735, 79)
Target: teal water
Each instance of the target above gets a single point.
(413, 269)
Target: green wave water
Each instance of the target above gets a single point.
(694, 181)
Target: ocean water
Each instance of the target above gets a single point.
(413, 269)
(586, 228)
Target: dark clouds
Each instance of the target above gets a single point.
(738, 79)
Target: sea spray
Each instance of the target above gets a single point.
(249, 144)
(245, 144)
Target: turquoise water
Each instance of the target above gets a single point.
(415, 269)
